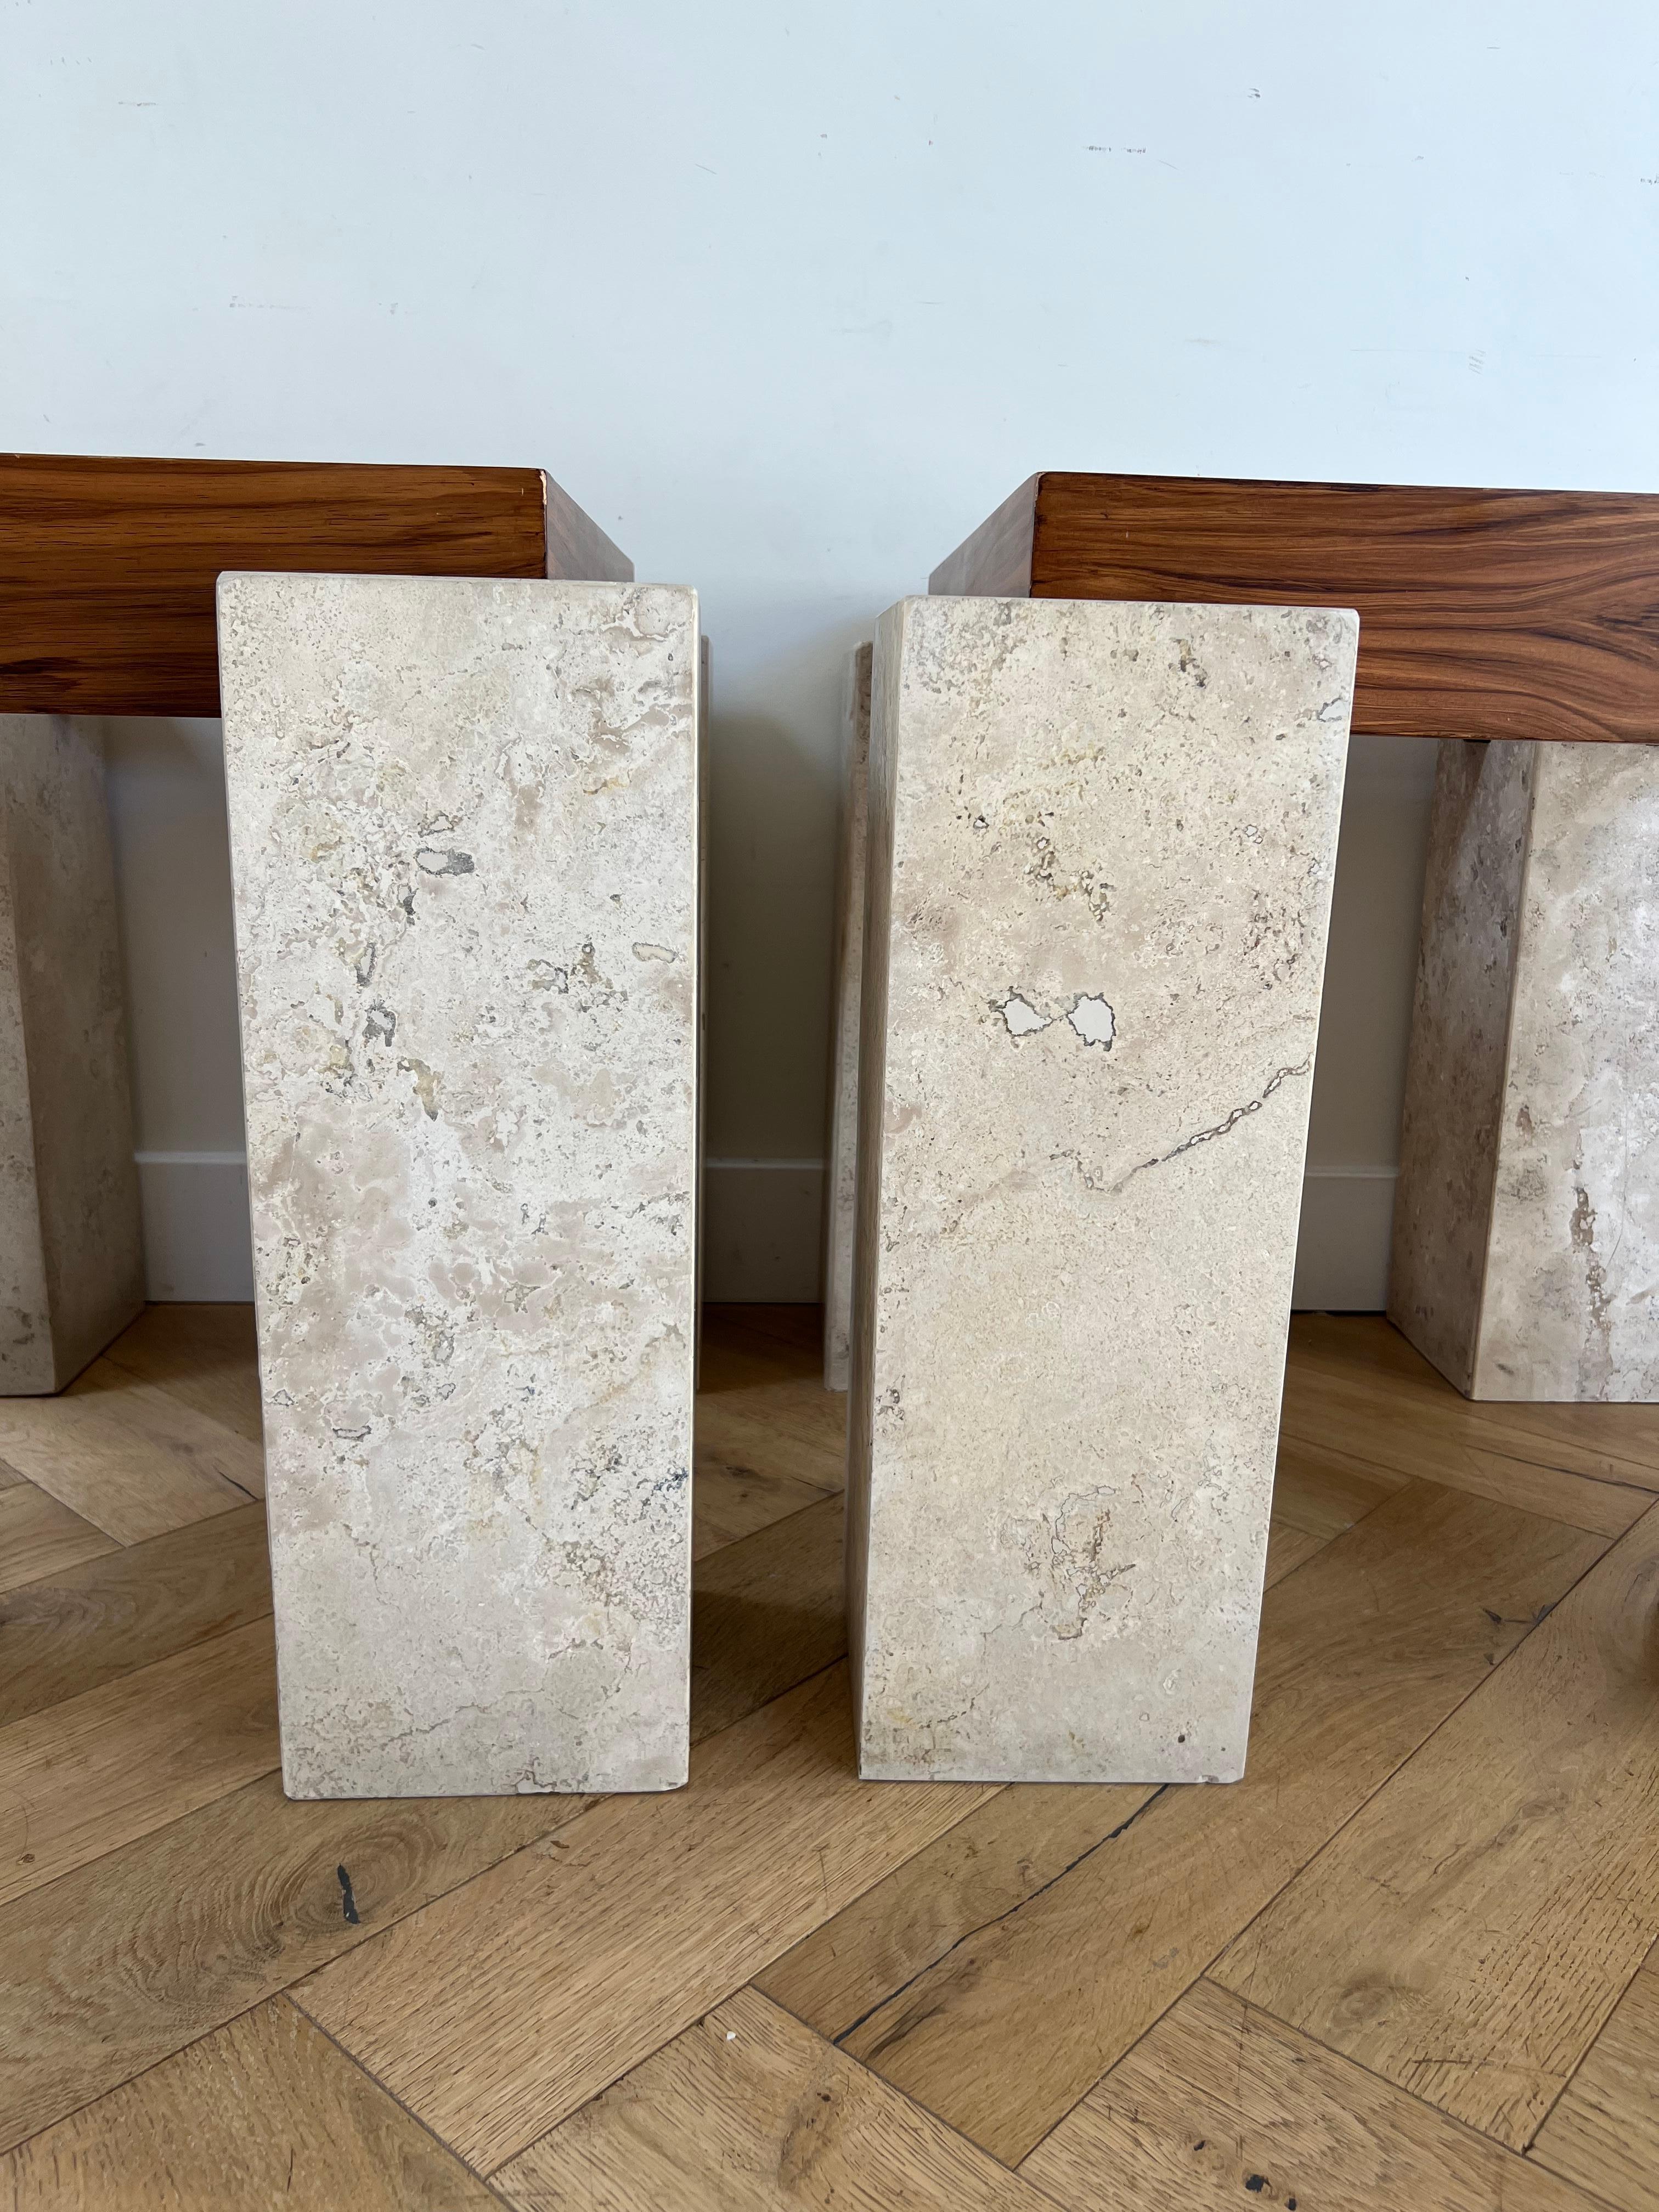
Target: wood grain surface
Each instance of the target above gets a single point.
(264, 2113)
(1452, 1898)
(1604, 2132)
(1364, 1652)
(107, 565)
(83, 1626)
(39, 1536)
(1017, 1843)
(592, 1950)
(121, 1962)
(1469, 1932)
(750, 2111)
(81, 1778)
(1220, 2104)
(1482, 613)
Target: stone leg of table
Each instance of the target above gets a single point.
(1526, 1236)
(1100, 846)
(463, 828)
(841, 1181)
(71, 1262)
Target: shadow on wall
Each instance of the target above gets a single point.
(165, 782)
(1364, 1022)
(772, 813)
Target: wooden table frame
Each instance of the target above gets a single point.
(107, 567)
(1482, 614)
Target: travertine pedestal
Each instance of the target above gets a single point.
(71, 1265)
(1526, 1227)
(841, 1181)
(464, 826)
(1100, 846)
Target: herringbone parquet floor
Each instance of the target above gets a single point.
(1409, 1961)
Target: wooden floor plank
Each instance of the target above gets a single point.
(1364, 1651)
(1368, 1344)
(1289, 1548)
(203, 1355)
(1006, 1960)
(1017, 1843)
(113, 1967)
(172, 1424)
(766, 1612)
(1353, 1383)
(1604, 2133)
(747, 2111)
(496, 2013)
(265, 2112)
(68, 1633)
(39, 1536)
(125, 1961)
(86, 1777)
(987, 1867)
(1468, 1935)
(733, 1433)
(1351, 1430)
(123, 1481)
(1324, 1493)
(730, 1500)
(793, 1332)
(761, 1403)
(1218, 2104)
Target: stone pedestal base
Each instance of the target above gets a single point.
(841, 1181)
(71, 1265)
(1100, 846)
(464, 826)
(1526, 1236)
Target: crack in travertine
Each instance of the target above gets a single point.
(1100, 848)
(1221, 1128)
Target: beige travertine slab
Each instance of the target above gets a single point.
(463, 825)
(71, 1263)
(1459, 1041)
(842, 1182)
(1100, 846)
(1526, 1247)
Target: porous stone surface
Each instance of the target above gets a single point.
(842, 1178)
(464, 826)
(71, 1260)
(1556, 1192)
(1100, 846)
(1455, 1065)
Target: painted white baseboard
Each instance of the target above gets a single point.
(762, 1231)
(197, 1247)
(762, 1237)
(1342, 1249)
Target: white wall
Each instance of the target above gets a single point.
(789, 297)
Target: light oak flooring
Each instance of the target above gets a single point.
(1411, 1959)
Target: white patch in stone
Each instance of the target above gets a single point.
(1094, 1021)
(1021, 1016)
(1059, 1518)
(651, 952)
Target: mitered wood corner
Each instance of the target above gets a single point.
(1483, 613)
(107, 565)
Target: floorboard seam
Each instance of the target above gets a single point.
(970, 1934)
(1648, 1958)
(1203, 1972)
(285, 1996)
